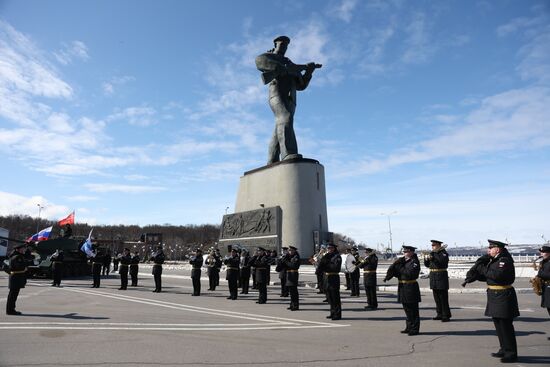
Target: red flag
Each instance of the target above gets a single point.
(68, 220)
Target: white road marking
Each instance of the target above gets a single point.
(236, 328)
(483, 308)
(267, 322)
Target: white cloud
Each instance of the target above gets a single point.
(23, 70)
(518, 24)
(115, 82)
(74, 50)
(13, 204)
(129, 189)
(513, 120)
(419, 46)
(83, 198)
(138, 116)
(60, 123)
(344, 10)
(535, 64)
(469, 217)
(136, 177)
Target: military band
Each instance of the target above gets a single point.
(496, 268)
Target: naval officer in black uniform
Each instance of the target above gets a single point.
(232, 262)
(544, 274)
(369, 266)
(331, 264)
(407, 270)
(291, 263)
(18, 277)
(157, 258)
(502, 302)
(438, 262)
(196, 262)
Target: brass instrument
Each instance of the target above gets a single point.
(425, 254)
(314, 260)
(537, 284)
(537, 260)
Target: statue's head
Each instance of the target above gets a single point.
(281, 44)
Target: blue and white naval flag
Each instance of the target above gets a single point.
(87, 246)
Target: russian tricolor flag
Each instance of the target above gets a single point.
(43, 235)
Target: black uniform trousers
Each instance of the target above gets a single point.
(284, 288)
(123, 277)
(157, 275)
(320, 284)
(213, 279)
(348, 281)
(134, 275)
(254, 284)
(262, 292)
(57, 275)
(441, 297)
(96, 274)
(372, 299)
(12, 298)
(506, 336)
(233, 284)
(244, 280)
(333, 297)
(412, 313)
(294, 297)
(196, 285)
(354, 282)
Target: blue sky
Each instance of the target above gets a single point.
(148, 112)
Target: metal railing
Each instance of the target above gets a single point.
(517, 258)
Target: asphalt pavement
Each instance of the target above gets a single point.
(76, 325)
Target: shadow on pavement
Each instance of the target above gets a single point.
(534, 360)
(72, 316)
(477, 332)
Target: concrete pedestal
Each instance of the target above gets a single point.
(298, 188)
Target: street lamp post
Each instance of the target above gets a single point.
(389, 226)
(226, 209)
(40, 207)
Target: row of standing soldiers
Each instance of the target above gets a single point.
(240, 266)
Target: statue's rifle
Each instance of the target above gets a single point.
(268, 76)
